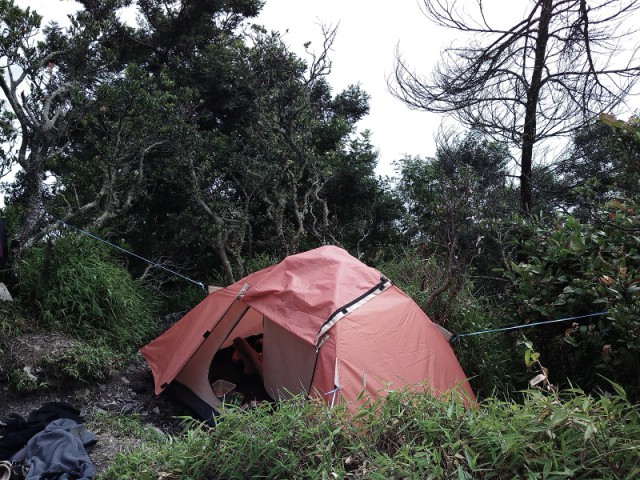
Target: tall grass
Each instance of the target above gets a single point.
(80, 289)
(566, 435)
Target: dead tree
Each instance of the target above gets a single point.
(563, 63)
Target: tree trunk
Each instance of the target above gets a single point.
(531, 110)
(33, 199)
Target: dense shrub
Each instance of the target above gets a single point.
(570, 435)
(419, 277)
(78, 288)
(179, 300)
(574, 268)
(12, 319)
(38, 361)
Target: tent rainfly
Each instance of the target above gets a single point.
(332, 328)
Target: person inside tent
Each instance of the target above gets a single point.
(241, 364)
(251, 359)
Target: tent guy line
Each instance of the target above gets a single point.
(455, 336)
(152, 263)
(525, 325)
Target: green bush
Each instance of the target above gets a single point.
(180, 299)
(79, 289)
(38, 361)
(12, 319)
(259, 261)
(408, 270)
(82, 362)
(569, 435)
(119, 425)
(21, 381)
(574, 268)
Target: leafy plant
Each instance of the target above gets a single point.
(79, 289)
(12, 320)
(120, 425)
(22, 381)
(405, 435)
(82, 362)
(575, 268)
(181, 299)
(49, 360)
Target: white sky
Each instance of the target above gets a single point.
(364, 51)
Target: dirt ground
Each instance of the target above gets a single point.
(129, 391)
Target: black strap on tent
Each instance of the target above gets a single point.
(313, 372)
(345, 308)
(525, 325)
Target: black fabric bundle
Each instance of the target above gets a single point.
(51, 444)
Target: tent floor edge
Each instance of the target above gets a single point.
(202, 409)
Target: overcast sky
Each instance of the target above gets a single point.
(369, 32)
(364, 50)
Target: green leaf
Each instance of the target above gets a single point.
(560, 416)
(577, 244)
(589, 431)
(527, 358)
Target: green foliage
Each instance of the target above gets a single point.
(464, 183)
(259, 262)
(601, 165)
(452, 201)
(187, 456)
(627, 131)
(419, 276)
(364, 210)
(574, 268)
(143, 112)
(181, 299)
(411, 272)
(81, 363)
(79, 289)
(121, 426)
(199, 142)
(490, 361)
(21, 381)
(569, 435)
(76, 363)
(12, 319)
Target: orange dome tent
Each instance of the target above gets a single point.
(332, 328)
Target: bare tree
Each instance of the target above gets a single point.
(563, 63)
